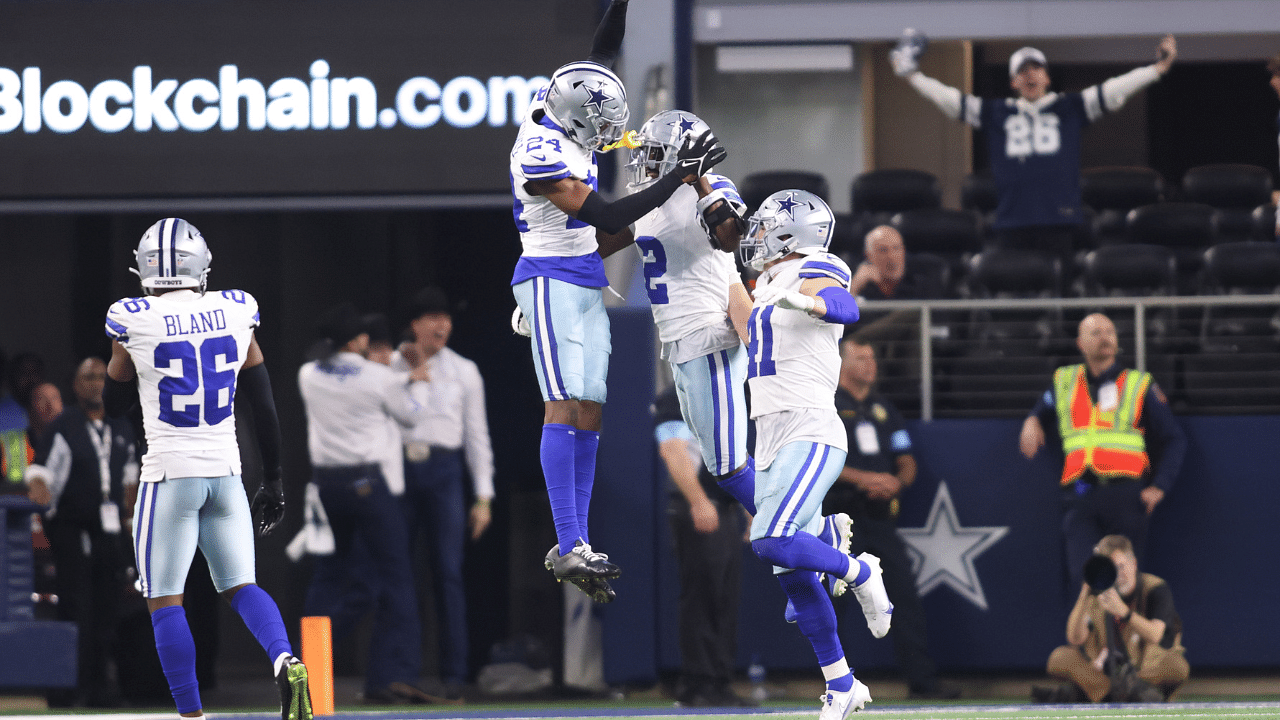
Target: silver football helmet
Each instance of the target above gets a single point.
(788, 221)
(172, 255)
(589, 102)
(660, 139)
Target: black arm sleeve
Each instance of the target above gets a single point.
(608, 39)
(255, 388)
(118, 398)
(612, 217)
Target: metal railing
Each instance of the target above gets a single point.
(952, 322)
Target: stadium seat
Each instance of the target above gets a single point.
(1264, 223)
(1242, 268)
(1232, 381)
(978, 194)
(1234, 190)
(1111, 192)
(999, 274)
(759, 185)
(953, 235)
(1130, 270)
(1185, 228)
(879, 194)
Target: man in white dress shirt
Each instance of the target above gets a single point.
(348, 399)
(452, 425)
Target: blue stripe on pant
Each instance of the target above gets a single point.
(369, 568)
(434, 503)
(713, 402)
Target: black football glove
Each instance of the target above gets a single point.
(696, 157)
(268, 505)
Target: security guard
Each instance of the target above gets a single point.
(878, 467)
(1105, 416)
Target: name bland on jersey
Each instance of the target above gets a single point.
(289, 103)
(175, 325)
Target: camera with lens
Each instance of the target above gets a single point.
(1099, 574)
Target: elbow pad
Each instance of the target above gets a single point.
(727, 210)
(841, 307)
(118, 398)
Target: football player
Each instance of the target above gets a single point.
(802, 304)
(190, 353)
(558, 279)
(1033, 140)
(700, 306)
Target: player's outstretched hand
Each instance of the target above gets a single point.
(786, 299)
(268, 506)
(905, 56)
(696, 157)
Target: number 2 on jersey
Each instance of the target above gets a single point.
(655, 266)
(760, 348)
(198, 370)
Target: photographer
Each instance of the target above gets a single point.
(1125, 635)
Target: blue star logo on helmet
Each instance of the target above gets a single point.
(597, 98)
(788, 205)
(686, 123)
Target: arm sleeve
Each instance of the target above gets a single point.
(118, 398)
(1159, 421)
(953, 103)
(1046, 411)
(397, 401)
(476, 435)
(613, 217)
(1112, 94)
(1160, 607)
(841, 307)
(255, 388)
(608, 39)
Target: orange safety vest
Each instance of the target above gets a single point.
(1109, 443)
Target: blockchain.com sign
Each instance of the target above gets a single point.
(171, 99)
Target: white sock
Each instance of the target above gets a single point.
(855, 568)
(835, 670)
(280, 661)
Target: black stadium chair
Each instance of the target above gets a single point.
(879, 194)
(1234, 190)
(978, 193)
(1130, 270)
(1184, 228)
(760, 185)
(1000, 274)
(1242, 268)
(1264, 223)
(1111, 192)
(953, 235)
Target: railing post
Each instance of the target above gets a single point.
(1140, 336)
(926, 363)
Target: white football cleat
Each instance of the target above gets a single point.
(841, 529)
(840, 705)
(871, 595)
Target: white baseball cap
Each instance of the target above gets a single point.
(1024, 56)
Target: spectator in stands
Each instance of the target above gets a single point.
(707, 526)
(15, 449)
(1125, 641)
(86, 472)
(882, 275)
(1033, 140)
(1105, 417)
(878, 468)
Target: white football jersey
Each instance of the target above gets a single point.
(687, 280)
(188, 349)
(793, 358)
(543, 152)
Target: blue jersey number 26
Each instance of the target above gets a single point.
(199, 372)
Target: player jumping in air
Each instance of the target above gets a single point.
(189, 352)
(558, 279)
(802, 303)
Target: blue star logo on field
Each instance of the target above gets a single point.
(597, 98)
(942, 552)
(788, 205)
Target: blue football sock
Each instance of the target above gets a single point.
(742, 485)
(585, 444)
(844, 683)
(262, 617)
(802, 551)
(814, 615)
(177, 651)
(557, 453)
